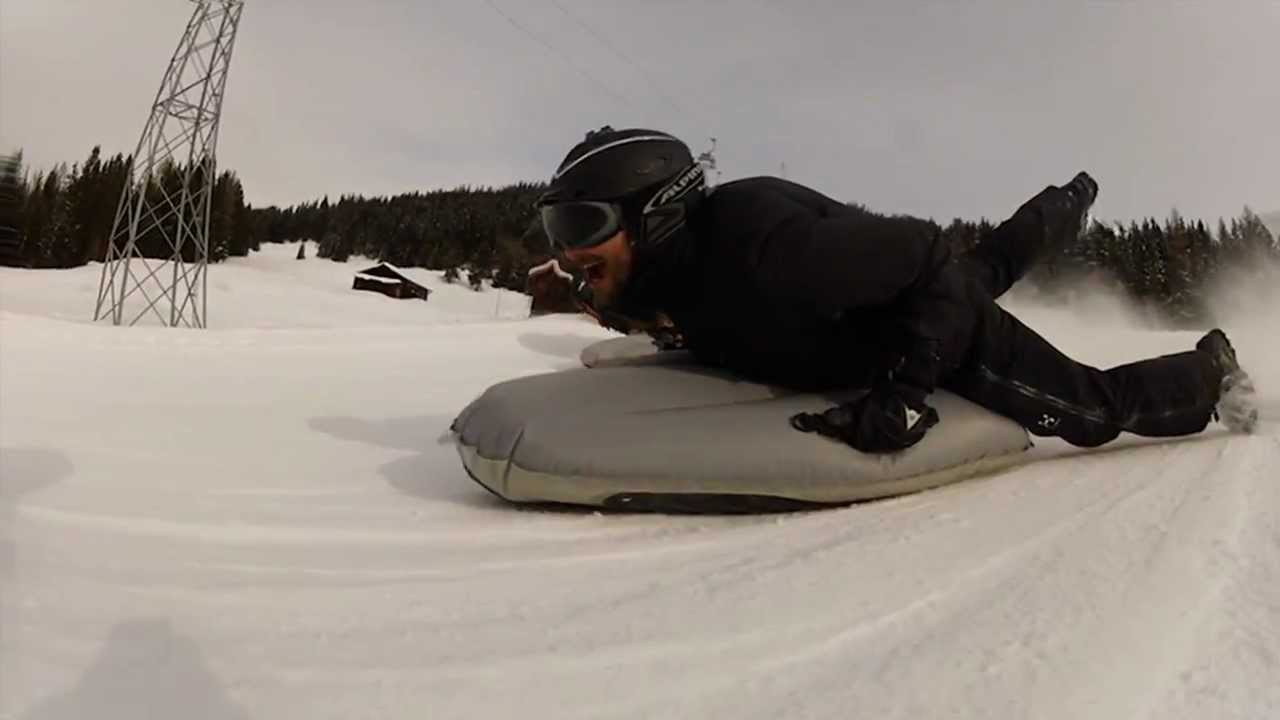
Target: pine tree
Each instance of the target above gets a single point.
(1256, 241)
(13, 196)
(84, 195)
(46, 228)
(222, 209)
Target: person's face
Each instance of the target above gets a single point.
(606, 267)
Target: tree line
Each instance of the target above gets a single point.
(489, 233)
(1174, 266)
(494, 234)
(63, 218)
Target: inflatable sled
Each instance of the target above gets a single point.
(640, 429)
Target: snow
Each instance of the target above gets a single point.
(271, 289)
(375, 278)
(552, 266)
(258, 521)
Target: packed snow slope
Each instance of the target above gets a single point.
(258, 521)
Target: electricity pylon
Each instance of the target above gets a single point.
(158, 251)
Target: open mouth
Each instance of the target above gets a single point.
(593, 271)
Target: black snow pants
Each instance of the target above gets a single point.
(1014, 372)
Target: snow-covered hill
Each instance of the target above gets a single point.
(257, 521)
(271, 289)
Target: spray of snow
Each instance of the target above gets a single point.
(1243, 302)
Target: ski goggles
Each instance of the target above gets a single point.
(580, 223)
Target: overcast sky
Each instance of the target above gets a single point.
(940, 109)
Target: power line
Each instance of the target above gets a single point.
(604, 42)
(551, 48)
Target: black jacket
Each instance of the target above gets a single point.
(787, 286)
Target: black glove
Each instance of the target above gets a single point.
(888, 418)
(667, 337)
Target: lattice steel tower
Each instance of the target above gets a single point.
(164, 209)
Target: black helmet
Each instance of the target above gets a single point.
(643, 181)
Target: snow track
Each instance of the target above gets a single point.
(258, 522)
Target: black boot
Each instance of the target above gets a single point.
(1215, 343)
(1054, 218)
(1082, 191)
(1236, 406)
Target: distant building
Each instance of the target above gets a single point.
(551, 290)
(387, 279)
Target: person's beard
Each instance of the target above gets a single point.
(657, 277)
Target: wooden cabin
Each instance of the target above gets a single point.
(551, 290)
(387, 279)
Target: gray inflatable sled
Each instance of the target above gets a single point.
(640, 429)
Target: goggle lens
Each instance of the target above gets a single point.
(572, 225)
